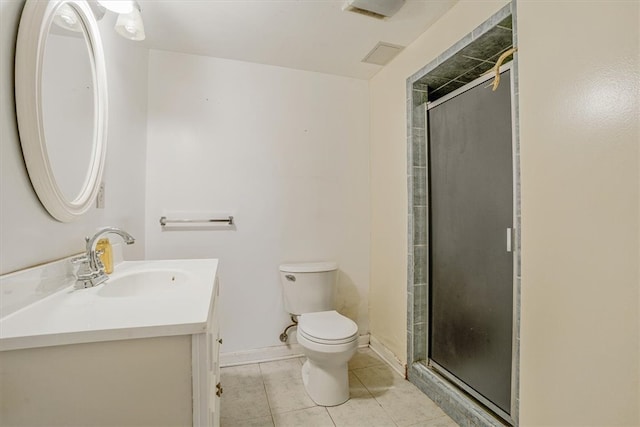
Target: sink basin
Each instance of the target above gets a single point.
(141, 282)
(141, 299)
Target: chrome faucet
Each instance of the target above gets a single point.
(91, 272)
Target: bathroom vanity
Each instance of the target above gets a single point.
(140, 349)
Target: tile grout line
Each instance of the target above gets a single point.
(271, 410)
(264, 387)
(362, 369)
(371, 393)
(395, 423)
(330, 417)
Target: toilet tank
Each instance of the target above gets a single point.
(308, 287)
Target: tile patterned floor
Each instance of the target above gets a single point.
(272, 394)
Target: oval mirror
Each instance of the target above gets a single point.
(61, 104)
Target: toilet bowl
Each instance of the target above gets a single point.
(329, 340)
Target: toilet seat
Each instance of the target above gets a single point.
(328, 342)
(327, 327)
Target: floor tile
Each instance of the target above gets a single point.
(281, 370)
(244, 376)
(255, 422)
(438, 422)
(398, 397)
(380, 379)
(287, 395)
(244, 403)
(360, 412)
(364, 358)
(408, 405)
(310, 417)
(356, 388)
(272, 393)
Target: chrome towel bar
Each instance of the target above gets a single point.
(164, 221)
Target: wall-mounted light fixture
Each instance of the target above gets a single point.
(129, 24)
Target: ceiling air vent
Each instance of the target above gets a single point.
(374, 8)
(382, 53)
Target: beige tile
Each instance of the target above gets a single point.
(356, 388)
(398, 397)
(244, 403)
(408, 406)
(310, 417)
(378, 397)
(245, 376)
(255, 422)
(281, 370)
(380, 379)
(360, 412)
(287, 395)
(438, 422)
(364, 358)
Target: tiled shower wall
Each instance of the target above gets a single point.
(459, 407)
(418, 226)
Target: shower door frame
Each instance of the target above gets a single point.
(429, 362)
(456, 400)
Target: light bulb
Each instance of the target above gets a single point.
(130, 25)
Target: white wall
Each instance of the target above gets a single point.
(580, 137)
(579, 81)
(28, 235)
(286, 152)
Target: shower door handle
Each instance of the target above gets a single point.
(509, 240)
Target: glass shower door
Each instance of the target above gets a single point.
(471, 266)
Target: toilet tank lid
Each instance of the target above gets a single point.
(309, 267)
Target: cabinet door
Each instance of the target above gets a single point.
(206, 370)
(201, 379)
(216, 376)
(214, 373)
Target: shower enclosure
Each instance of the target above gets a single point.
(464, 229)
(470, 247)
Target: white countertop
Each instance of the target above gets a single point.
(71, 316)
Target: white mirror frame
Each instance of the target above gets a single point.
(35, 22)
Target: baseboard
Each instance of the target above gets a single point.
(388, 356)
(270, 354)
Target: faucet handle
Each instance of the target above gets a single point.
(99, 263)
(79, 259)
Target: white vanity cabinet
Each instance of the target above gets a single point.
(207, 389)
(147, 372)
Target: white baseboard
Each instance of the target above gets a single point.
(270, 354)
(388, 356)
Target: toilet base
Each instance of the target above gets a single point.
(326, 385)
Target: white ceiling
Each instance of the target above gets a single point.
(314, 35)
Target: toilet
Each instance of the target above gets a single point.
(328, 339)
